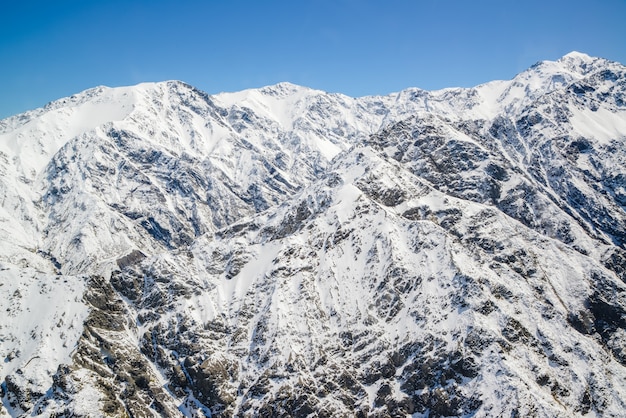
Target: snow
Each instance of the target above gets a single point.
(281, 102)
(577, 55)
(233, 290)
(603, 125)
(45, 320)
(87, 400)
(34, 143)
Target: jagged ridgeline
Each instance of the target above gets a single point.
(289, 252)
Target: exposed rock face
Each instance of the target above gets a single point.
(287, 252)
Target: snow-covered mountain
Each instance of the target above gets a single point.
(289, 252)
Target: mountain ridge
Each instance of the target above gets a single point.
(286, 251)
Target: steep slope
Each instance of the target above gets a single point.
(284, 251)
(181, 165)
(373, 292)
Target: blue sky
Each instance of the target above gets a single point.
(52, 49)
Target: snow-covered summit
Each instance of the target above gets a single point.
(582, 63)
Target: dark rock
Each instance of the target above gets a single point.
(132, 258)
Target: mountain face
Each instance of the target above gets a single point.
(289, 252)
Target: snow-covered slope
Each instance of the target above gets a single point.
(286, 252)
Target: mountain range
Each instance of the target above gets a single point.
(285, 251)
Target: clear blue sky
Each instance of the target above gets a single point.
(52, 49)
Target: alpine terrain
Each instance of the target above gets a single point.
(288, 252)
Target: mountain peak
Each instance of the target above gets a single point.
(284, 88)
(577, 55)
(580, 63)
